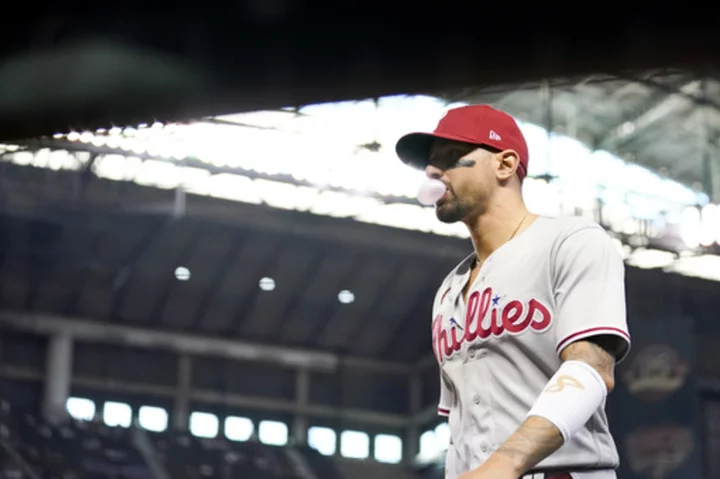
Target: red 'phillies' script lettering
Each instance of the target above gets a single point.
(514, 317)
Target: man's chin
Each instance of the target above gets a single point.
(448, 217)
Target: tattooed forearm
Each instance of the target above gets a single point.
(537, 438)
(598, 352)
(532, 442)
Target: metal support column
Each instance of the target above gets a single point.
(181, 409)
(180, 202)
(546, 93)
(710, 163)
(302, 396)
(412, 433)
(704, 144)
(58, 376)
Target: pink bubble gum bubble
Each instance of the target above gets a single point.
(430, 192)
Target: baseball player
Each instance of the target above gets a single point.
(528, 328)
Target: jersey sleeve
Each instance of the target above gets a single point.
(446, 397)
(589, 289)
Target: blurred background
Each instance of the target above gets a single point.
(212, 264)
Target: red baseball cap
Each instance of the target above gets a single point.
(474, 124)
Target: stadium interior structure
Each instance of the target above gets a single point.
(249, 295)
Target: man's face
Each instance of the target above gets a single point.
(467, 172)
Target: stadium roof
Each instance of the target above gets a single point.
(109, 251)
(620, 141)
(666, 121)
(98, 222)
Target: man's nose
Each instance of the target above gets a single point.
(433, 172)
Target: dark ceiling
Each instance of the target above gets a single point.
(129, 62)
(108, 252)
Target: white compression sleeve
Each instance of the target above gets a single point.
(571, 397)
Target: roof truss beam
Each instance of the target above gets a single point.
(93, 331)
(649, 115)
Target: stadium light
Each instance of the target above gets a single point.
(346, 297)
(182, 273)
(267, 284)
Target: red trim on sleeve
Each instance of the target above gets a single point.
(443, 412)
(592, 332)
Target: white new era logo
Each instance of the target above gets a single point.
(494, 136)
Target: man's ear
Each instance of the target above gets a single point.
(508, 162)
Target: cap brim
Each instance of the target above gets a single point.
(414, 148)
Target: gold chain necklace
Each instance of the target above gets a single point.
(479, 262)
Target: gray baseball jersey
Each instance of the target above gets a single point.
(559, 281)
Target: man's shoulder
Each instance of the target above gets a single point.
(574, 234)
(562, 227)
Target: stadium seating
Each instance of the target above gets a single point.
(189, 457)
(323, 466)
(78, 450)
(31, 448)
(358, 469)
